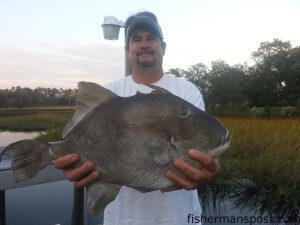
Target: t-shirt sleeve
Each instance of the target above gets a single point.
(194, 96)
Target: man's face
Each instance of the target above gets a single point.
(145, 49)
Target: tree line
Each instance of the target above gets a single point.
(26, 97)
(273, 80)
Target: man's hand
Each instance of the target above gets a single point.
(82, 175)
(196, 177)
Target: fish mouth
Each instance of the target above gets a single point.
(227, 137)
(216, 152)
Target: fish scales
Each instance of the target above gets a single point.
(132, 141)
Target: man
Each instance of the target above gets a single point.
(171, 206)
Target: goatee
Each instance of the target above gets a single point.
(145, 64)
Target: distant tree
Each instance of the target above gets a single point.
(177, 72)
(25, 97)
(274, 79)
(11, 102)
(269, 49)
(226, 85)
(3, 97)
(69, 97)
(197, 74)
(292, 78)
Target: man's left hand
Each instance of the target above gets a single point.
(195, 177)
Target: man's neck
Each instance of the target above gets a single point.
(147, 75)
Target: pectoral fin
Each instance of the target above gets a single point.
(99, 195)
(161, 151)
(174, 143)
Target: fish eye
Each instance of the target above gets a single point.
(184, 112)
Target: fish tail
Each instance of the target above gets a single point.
(28, 158)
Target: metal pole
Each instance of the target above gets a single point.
(2, 197)
(127, 62)
(78, 207)
(127, 65)
(2, 207)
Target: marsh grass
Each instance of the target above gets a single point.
(34, 119)
(260, 171)
(54, 134)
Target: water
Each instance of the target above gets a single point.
(7, 137)
(47, 204)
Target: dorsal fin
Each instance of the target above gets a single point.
(140, 93)
(158, 89)
(89, 95)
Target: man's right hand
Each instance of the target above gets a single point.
(82, 175)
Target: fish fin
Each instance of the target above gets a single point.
(173, 143)
(157, 89)
(160, 150)
(140, 93)
(89, 96)
(28, 158)
(99, 195)
(142, 190)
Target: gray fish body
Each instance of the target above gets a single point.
(133, 141)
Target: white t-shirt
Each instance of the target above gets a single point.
(132, 207)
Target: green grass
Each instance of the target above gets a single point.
(35, 110)
(34, 119)
(260, 171)
(54, 134)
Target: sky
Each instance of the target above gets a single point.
(57, 43)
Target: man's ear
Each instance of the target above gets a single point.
(126, 49)
(164, 46)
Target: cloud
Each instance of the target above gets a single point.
(60, 65)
